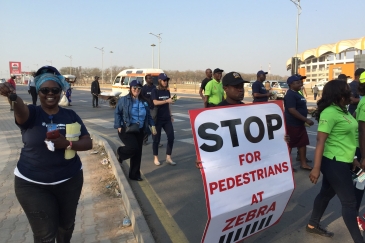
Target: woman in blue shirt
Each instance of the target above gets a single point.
(132, 118)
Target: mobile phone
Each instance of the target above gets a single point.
(53, 134)
(174, 97)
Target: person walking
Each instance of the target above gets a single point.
(132, 118)
(296, 117)
(162, 99)
(47, 185)
(146, 93)
(355, 98)
(11, 81)
(334, 156)
(315, 92)
(95, 91)
(259, 93)
(213, 91)
(68, 95)
(208, 77)
(31, 89)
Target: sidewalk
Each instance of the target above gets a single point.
(94, 221)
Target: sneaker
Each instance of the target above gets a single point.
(360, 223)
(319, 231)
(117, 154)
(306, 159)
(145, 143)
(170, 162)
(160, 145)
(157, 162)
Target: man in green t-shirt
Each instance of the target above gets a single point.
(214, 90)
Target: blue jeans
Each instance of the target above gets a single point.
(169, 130)
(337, 180)
(50, 209)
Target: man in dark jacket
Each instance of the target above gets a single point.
(95, 91)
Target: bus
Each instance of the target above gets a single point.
(122, 80)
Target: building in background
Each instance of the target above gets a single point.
(327, 61)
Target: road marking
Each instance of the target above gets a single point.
(178, 120)
(171, 227)
(82, 100)
(186, 140)
(181, 115)
(102, 123)
(82, 93)
(187, 129)
(311, 147)
(178, 105)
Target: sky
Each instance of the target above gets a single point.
(234, 35)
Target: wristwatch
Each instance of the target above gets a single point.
(13, 97)
(69, 147)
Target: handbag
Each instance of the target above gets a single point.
(133, 128)
(63, 101)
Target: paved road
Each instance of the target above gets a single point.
(172, 198)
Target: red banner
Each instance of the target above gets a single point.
(15, 67)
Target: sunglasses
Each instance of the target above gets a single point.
(46, 90)
(136, 87)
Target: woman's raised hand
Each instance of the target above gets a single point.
(6, 89)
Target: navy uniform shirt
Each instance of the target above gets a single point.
(204, 83)
(38, 163)
(295, 100)
(258, 87)
(163, 113)
(146, 92)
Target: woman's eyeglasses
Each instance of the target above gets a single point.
(46, 90)
(136, 87)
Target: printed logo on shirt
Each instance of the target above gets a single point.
(322, 122)
(347, 119)
(59, 126)
(163, 97)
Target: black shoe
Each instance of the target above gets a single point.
(137, 179)
(11, 109)
(306, 159)
(145, 143)
(117, 154)
(319, 231)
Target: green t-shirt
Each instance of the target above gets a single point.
(342, 134)
(360, 111)
(214, 90)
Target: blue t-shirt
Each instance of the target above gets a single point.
(295, 100)
(258, 87)
(146, 92)
(36, 162)
(138, 112)
(353, 86)
(163, 113)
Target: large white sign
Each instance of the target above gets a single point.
(247, 171)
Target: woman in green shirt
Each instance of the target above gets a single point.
(334, 155)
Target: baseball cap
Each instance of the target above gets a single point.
(359, 71)
(294, 78)
(362, 77)
(343, 76)
(96, 77)
(261, 72)
(47, 69)
(163, 76)
(232, 78)
(135, 83)
(218, 70)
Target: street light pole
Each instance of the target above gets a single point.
(102, 63)
(297, 4)
(111, 68)
(159, 43)
(153, 55)
(70, 63)
(49, 62)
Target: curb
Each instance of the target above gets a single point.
(139, 224)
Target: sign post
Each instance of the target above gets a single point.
(247, 172)
(15, 68)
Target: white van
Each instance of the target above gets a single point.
(122, 80)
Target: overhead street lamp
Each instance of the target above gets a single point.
(111, 68)
(102, 63)
(153, 55)
(295, 60)
(159, 43)
(70, 63)
(49, 62)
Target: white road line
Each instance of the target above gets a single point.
(82, 93)
(178, 105)
(186, 129)
(181, 115)
(101, 122)
(178, 120)
(311, 147)
(82, 100)
(186, 140)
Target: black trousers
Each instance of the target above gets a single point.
(95, 99)
(169, 130)
(315, 96)
(132, 149)
(33, 93)
(50, 209)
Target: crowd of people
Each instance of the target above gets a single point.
(43, 174)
